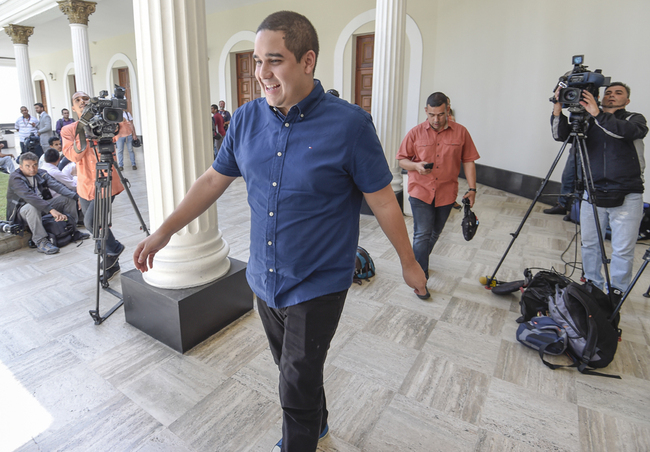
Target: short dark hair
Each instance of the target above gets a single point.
(437, 99)
(28, 156)
(51, 155)
(214, 106)
(64, 109)
(299, 34)
(53, 139)
(627, 88)
(38, 104)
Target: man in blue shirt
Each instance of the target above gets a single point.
(307, 159)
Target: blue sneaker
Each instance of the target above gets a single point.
(323, 434)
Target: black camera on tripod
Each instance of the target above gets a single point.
(9, 228)
(575, 81)
(101, 116)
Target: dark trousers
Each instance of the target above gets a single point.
(428, 223)
(88, 209)
(299, 337)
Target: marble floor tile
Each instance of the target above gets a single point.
(378, 359)
(90, 341)
(632, 358)
(162, 440)
(493, 442)
(507, 412)
(232, 417)
(354, 404)
(409, 427)
(230, 349)
(401, 326)
(261, 375)
(459, 345)
(600, 432)
(404, 297)
(628, 398)
(116, 425)
(522, 366)
(449, 388)
(171, 389)
(474, 316)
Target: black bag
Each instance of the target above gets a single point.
(534, 300)
(364, 267)
(544, 335)
(583, 311)
(59, 232)
(33, 144)
(469, 223)
(606, 198)
(137, 143)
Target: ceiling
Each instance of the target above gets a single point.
(52, 30)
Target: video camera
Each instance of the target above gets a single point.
(101, 117)
(573, 82)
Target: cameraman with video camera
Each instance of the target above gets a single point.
(86, 159)
(615, 155)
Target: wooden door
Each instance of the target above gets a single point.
(125, 82)
(363, 79)
(247, 86)
(41, 87)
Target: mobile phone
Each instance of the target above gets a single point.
(428, 166)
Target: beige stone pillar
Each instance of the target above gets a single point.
(172, 56)
(78, 12)
(19, 36)
(387, 79)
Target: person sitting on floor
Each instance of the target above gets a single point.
(29, 198)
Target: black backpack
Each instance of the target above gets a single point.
(583, 310)
(364, 267)
(534, 299)
(59, 232)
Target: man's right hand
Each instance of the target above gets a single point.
(58, 216)
(419, 167)
(147, 249)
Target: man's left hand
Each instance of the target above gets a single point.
(589, 102)
(471, 195)
(414, 277)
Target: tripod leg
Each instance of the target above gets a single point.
(127, 185)
(530, 209)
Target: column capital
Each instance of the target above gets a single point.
(77, 11)
(19, 34)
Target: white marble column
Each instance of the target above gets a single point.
(387, 79)
(19, 36)
(172, 55)
(78, 12)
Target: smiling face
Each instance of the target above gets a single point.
(24, 112)
(79, 101)
(284, 80)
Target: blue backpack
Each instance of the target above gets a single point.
(364, 267)
(545, 335)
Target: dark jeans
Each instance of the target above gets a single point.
(299, 337)
(428, 223)
(569, 179)
(88, 208)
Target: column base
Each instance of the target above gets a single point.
(183, 318)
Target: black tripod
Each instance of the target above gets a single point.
(577, 137)
(102, 218)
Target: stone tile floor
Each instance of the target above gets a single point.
(402, 374)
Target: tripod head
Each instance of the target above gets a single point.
(105, 146)
(579, 120)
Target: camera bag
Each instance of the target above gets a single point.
(535, 298)
(59, 232)
(364, 267)
(583, 310)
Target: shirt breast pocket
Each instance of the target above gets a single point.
(424, 151)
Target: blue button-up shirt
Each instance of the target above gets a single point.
(305, 174)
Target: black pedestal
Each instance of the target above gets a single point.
(183, 318)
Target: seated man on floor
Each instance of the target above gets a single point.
(7, 164)
(29, 198)
(52, 158)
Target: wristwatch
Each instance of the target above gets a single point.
(471, 189)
